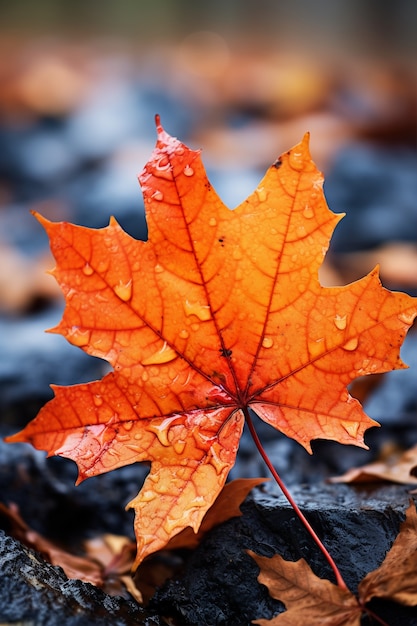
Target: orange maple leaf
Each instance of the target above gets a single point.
(217, 313)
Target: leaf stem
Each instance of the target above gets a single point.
(339, 579)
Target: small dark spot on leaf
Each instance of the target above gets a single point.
(225, 352)
(277, 163)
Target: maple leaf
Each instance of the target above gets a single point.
(305, 595)
(396, 578)
(397, 469)
(217, 313)
(226, 506)
(308, 597)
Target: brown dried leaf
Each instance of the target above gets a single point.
(396, 578)
(226, 506)
(396, 469)
(74, 566)
(308, 598)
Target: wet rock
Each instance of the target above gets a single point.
(38, 594)
(31, 361)
(45, 493)
(376, 186)
(219, 585)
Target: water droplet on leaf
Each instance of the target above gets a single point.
(308, 212)
(261, 193)
(340, 321)
(296, 160)
(212, 221)
(163, 163)
(163, 355)
(350, 427)
(179, 446)
(188, 171)
(161, 431)
(407, 318)
(202, 311)
(88, 270)
(267, 342)
(351, 345)
(124, 290)
(78, 337)
(316, 347)
(184, 334)
(98, 400)
(157, 195)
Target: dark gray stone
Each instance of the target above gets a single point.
(38, 594)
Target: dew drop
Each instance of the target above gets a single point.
(88, 270)
(163, 163)
(351, 345)
(78, 337)
(157, 195)
(407, 318)
(164, 355)
(212, 221)
(128, 425)
(98, 400)
(122, 437)
(261, 193)
(170, 525)
(301, 231)
(267, 342)
(134, 448)
(103, 265)
(350, 427)
(202, 311)
(308, 212)
(340, 321)
(188, 171)
(158, 269)
(179, 446)
(145, 376)
(316, 347)
(296, 160)
(184, 334)
(148, 495)
(124, 290)
(161, 431)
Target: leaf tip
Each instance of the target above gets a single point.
(41, 219)
(158, 123)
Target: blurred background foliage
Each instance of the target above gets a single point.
(81, 81)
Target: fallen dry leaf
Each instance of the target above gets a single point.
(74, 566)
(396, 578)
(397, 469)
(308, 598)
(226, 506)
(219, 312)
